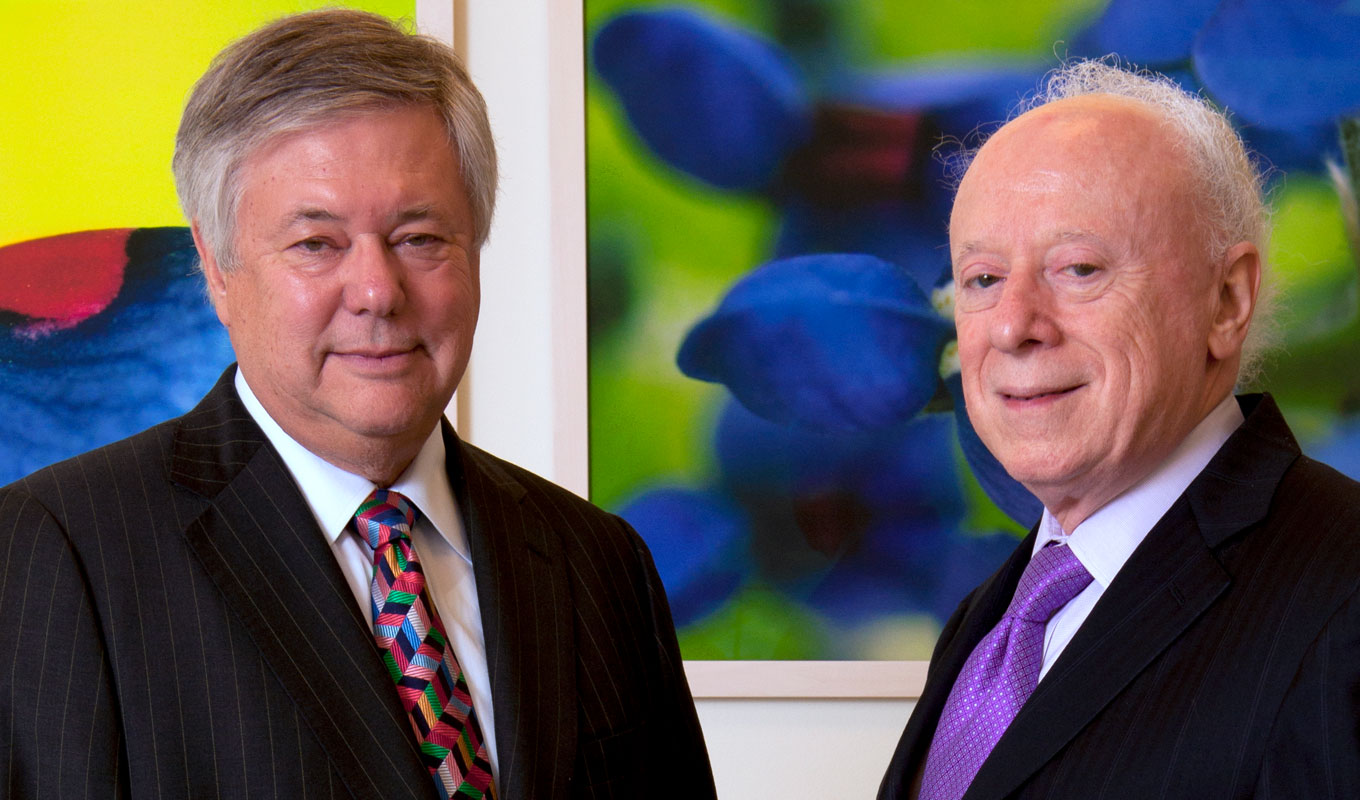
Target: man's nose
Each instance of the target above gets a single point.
(1023, 317)
(374, 278)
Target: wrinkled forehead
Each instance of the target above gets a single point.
(1094, 165)
(1110, 138)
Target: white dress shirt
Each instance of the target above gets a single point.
(437, 536)
(1106, 539)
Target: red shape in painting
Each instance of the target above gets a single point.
(65, 278)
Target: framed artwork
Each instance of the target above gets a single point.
(774, 399)
(104, 325)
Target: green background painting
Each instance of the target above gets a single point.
(666, 247)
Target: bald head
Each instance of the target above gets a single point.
(1096, 325)
(1084, 150)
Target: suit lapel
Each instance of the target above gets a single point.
(1171, 579)
(260, 545)
(1139, 616)
(523, 590)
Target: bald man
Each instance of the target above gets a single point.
(1182, 621)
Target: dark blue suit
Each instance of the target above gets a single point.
(1223, 661)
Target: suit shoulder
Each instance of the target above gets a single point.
(545, 494)
(1315, 491)
(1310, 537)
(95, 474)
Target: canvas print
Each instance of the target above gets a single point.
(775, 401)
(104, 326)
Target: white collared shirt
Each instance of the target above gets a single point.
(1106, 539)
(333, 495)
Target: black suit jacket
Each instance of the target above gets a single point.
(1223, 661)
(177, 626)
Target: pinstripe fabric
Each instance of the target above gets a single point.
(1222, 662)
(139, 663)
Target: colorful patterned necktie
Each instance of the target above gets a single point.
(417, 654)
(1000, 674)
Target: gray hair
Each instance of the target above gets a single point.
(308, 69)
(1230, 186)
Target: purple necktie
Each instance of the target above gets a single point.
(1000, 674)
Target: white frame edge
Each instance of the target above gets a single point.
(526, 392)
(859, 680)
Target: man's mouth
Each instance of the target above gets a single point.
(376, 351)
(1029, 395)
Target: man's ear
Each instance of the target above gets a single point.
(1237, 292)
(212, 274)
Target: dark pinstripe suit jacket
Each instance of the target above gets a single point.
(1222, 662)
(176, 626)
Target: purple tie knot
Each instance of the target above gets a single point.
(999, 674)
(1054, 576)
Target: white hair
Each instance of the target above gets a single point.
(314, 69)
(1229, 186)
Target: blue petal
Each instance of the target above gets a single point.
(966, 562)
(1341, 450)
(865, 584)
(1145, 32)
(709, 99)
(913, 235)
(1282, 63)
(1012, 498)
(946, 564)
(957, 98)
(832, 342)
(904, 472)
(696, 539)
(150, 355)
(1306, 147)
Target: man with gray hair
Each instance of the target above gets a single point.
(308, 586)
(1183, 620)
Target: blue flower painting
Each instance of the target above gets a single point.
(102, 333)
(775, 400)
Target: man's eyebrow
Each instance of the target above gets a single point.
(308, 214)
(416, 213)
(1076, 235)
(318, 214)
(969, 248)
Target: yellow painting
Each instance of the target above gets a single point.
(103, 326)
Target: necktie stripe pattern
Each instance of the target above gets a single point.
(1000, 674)
(417, 655)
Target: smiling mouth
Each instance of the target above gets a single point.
(376, 354)
(385, 362)
(1040, 395)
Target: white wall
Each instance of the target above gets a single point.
(771, 748)
(525, 399)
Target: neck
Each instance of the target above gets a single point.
(380, 462)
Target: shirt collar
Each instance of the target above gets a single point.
(333, 495)
(1106, 539)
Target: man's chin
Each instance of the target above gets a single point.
(389, 423)
(1037, 468)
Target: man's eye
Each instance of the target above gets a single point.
(984, 280)
(419, 240)
(1083, 270)
(311, 245)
